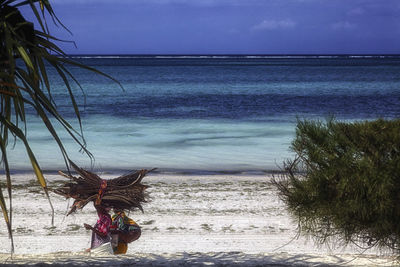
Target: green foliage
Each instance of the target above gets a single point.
(25, 55)
(344, 184)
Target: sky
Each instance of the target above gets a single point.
(229, 26)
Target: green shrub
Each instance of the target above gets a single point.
(344, 183)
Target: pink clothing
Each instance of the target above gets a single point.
(103, 223)
(103, 226)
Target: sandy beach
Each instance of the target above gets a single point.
(217, 96)
(191, 220)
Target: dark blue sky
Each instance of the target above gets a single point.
(230, 26)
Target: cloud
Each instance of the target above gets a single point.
(274, 25)
(343, 25)
(356, 11)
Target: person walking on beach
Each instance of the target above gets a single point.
(124, 231)
(101, 236)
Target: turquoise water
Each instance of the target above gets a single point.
(211, 113)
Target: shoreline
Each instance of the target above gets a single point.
(166, 171)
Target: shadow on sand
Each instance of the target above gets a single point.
(191, 259)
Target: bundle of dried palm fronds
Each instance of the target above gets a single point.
(125, 192)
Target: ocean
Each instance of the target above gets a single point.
(208, 114)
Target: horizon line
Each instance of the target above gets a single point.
(236, 54)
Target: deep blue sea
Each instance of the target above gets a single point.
(210, 113)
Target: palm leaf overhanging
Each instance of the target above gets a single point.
(125, 192)
(25, 55)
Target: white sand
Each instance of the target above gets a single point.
(191, 220)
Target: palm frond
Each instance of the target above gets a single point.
(25, 54)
